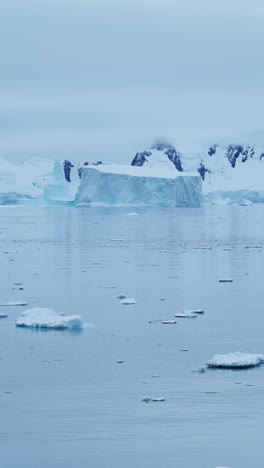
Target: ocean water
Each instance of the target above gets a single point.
(65, 402)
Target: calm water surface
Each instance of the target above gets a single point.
(64, 400)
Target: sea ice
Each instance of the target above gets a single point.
(3, 315)
(169, 322)
(48, 318)
(235, 360)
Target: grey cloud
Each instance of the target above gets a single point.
(107, 77)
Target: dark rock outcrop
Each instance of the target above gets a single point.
(140, 158)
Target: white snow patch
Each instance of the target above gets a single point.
(48, 318)
(235, 360)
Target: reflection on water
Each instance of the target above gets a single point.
(64, 399)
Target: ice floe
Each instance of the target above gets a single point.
(3, 316)
(235, 360)
(49, 319)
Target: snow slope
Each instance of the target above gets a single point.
(142, 186)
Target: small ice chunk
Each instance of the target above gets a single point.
(235, 360)
(128, 301)
(225, 281)
(120, 296)
(48, 318)
(200, 370)
(185, 314)
(120, 361)
(147, 399)
(169, 322)
(15, 303)
(132, 213)
(3, 316)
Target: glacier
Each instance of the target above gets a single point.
(116, 184)
(23, 182)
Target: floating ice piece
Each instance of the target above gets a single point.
(120, 296)
(15, 303)
(132, 213)
(195, 311)
(48, 318)
(3, 316)
(235, 360)
(128, 301)
(147, 399)
(225, 281)
(169, 322)
(200, 370)
(185, 314)
(253, 247)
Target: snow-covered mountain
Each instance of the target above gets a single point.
(229, 174)
(232, 173)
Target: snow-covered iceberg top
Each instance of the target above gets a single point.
(117, 184)
(235, 360)
(48, 318)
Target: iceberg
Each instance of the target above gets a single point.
(42, 318)
(58, 189)
(117, 184)
(235, 360)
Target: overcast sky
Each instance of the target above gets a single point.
(101, 79)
